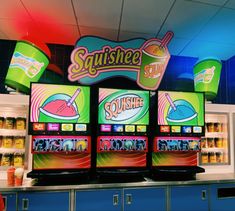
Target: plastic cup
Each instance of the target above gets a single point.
(18, 181)
(27, 65)
(210, 127)
(211, 142)
(212, 157)
(10, 176)
(153, 63)
(219, 157)
(207, 76)
(18, 176)
(219, 142)
(204, 157)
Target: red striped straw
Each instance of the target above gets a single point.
(166, 39)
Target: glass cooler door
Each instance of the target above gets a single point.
(215, 144)
(13, 132)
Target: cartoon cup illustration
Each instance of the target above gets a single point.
(154, 59)
(181, 112)
(60, 108)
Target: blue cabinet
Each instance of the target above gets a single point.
(51, 201)
(139, 199)
(96, 200)
(189, 198)
(10, 201)
(222, 197)
(129, 199)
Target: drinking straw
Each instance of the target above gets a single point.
(170, 101)
(69, 103)
(166, 39)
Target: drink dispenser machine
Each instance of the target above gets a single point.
(60, 127)
(180, 126)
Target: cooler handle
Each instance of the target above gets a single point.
(115, 200)
(25, 204)
(128, 199)
(204, 194)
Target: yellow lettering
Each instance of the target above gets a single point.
(89, 65)
(112, 57)
(78, 62)
(136, 58)
(127, 59)
(119, 56)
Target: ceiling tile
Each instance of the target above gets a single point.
(100, 32)
(187, 18)
(13, 9)
(15, 30)
(51, 11)
(48, 33)
(144, 16)
(212, 2)
(126, 35)
(230, 4)
(99, 13)
(3, 36)
(202, 49)
(221, 28)
(59, 33)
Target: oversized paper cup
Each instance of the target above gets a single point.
(27, 65)
(207, 76)
(153, 62)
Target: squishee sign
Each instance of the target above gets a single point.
(123, 107)
(144, 61)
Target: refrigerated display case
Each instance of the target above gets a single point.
(217, 152)
(13, 132)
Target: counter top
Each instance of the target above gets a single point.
(28, 184)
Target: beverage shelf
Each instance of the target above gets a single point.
(12, 132)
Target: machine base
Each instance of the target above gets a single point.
(175, 173)
(59, 177)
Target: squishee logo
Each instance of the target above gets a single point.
(30, 66)
(95, 59)
(94, 63)
(123, 107)
(205, 76)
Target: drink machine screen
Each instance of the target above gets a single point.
(59, 109)
(60, 125)
(182, 109)
(123, 118)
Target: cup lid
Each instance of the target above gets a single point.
(38, 43)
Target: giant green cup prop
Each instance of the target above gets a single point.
(27, 65)
(207, 76)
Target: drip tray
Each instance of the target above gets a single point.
(51, 177)
(121, 176)
(175, 173)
